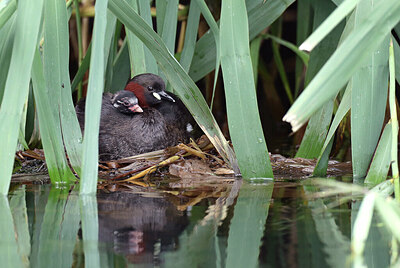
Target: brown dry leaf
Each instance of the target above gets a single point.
(190, 168)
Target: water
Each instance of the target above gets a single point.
(269, 224)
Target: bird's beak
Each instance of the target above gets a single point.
(164, 95)
(136, 109)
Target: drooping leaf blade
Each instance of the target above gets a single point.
(329, 24)
(344, 62)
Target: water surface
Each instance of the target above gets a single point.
(244, 224)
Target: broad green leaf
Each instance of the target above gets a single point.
(180, 81)
(136, 49)
(241, 100)
(169, 20)
(215, 31)
(145, 13)
(345, 61)
(57, 164)
(250, 4)
(190, 36)
(368, 98)
(381, 162)
(56, 73)
(93, 102)
(260, 17)
(168, 30)
(17, 84)
(161, 6)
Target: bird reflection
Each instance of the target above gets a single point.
(139, 226)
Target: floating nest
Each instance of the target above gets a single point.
(192, 165)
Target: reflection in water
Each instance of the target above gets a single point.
(138, 226)
(267, 225)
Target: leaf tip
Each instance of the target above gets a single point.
(306, 46)
(294, 122)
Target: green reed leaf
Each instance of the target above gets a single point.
(243, 117)
(17, 85)
(93, 102)
(190, 36)
(56, 72)
(57, 164)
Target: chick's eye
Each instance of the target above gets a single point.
(124, 102)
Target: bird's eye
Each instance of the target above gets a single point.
(124, 101)
(150, 88)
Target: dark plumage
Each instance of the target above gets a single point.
(125, 132)
(126, 129)
(126, 135)
(179, 121)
